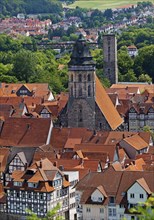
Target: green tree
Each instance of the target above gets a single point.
(145, 210)
(125, 63)
(51, 215)
(108, 13)
(144, 78)
(24, 65)
(128, 77)
(143, 63)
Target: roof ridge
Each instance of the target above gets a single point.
(43, 174)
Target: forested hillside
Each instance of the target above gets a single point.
(13, 7)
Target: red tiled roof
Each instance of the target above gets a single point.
(4, 153)
(40, 89)
(25, 132)
(136, 142)
(106, 106)
(71, 142)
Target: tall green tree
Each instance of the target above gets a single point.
(125, 63)
(144, 62)
(25, 63)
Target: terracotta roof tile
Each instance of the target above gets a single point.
(25, 132)
(2, 194)
(107, 108)
(144, 185)
(4, 154)
(71, 142)
(118, 186)
(97, 148)
(142, 86)
(39, 89)
(59, 136)
(136, 142)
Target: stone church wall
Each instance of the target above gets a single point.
(81, 114)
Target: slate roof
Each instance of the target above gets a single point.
(81, 55)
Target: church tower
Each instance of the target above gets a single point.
(81, 104)
(110, 58)
(88, 105)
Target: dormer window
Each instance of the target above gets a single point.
(23, 91)
(13, 91)
(71, 90)
(57, 182)
(17, 183)
(100, 199)
(80, 92)
(112, 200)
(32, 185)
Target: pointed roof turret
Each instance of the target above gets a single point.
(81, 55)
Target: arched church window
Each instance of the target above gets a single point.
(80, 78)
(80, 91)
(71, 90)
(89, 90)
(89, 77)
(72, 78)
(80, 113)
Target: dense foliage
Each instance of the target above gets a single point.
(19, 64)
(98, 18)
(141, 67)
(13, 7)
(145, 210)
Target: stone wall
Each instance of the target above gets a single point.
(110, 58)
(81, 113)
(100, 121)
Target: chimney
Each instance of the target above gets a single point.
(1, 123)
(28, 126)
(41, 163)
(82, 162)
(61, 167)
(55, 163)
(94, 132)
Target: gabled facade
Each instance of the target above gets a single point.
(140, 116)
(134, 145)
(109, 195)
(39, 189)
